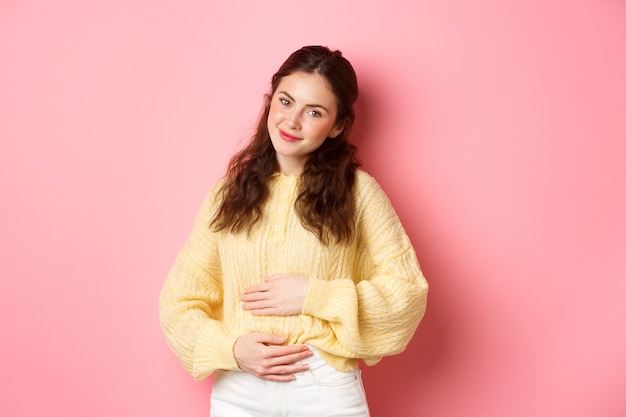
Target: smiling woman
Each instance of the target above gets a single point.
(297, 265)
(298, 128)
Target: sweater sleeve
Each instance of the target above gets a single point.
(190, 303)
(378, 315)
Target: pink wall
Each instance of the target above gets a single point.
(497, 129)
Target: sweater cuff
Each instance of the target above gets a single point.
(218, 356)
(329, 300)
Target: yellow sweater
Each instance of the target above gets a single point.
(365, 299)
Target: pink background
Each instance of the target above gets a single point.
(497, 129)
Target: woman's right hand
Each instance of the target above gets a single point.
(263, 356)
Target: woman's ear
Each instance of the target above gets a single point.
(337, 130)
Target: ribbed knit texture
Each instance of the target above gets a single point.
(365, 299)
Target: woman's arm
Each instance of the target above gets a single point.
(190, 303)
(378, 315)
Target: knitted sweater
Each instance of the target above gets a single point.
(365, 299)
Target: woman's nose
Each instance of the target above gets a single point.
(293, 119)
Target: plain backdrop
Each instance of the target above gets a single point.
(497, 129)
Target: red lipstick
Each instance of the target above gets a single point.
(287, 137)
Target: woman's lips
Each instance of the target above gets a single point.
(288, 137)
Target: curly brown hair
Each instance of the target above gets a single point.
(325, 202)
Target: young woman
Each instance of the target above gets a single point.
(297, 265)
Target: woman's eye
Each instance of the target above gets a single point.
(284, 101)
(315, 113)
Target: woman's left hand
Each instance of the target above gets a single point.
(279, 295)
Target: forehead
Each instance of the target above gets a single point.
(306, 88)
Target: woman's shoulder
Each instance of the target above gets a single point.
(367, 190)
(213, 196)
(370, 199)
(365, 183)
(218, 185)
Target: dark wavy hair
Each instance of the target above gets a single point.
(325, 202)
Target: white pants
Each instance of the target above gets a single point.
(322, 391)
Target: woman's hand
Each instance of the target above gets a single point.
(279, 295)
(262, 356)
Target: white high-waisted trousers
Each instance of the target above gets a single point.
(322, 391)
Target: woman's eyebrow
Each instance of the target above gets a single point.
(308, 105)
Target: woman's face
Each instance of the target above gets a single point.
(303, 113)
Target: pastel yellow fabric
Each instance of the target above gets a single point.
(365, 299)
